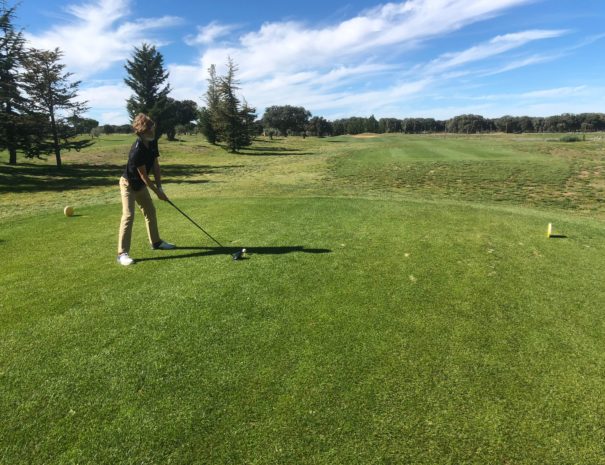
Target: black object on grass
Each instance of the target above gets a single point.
(239, 254)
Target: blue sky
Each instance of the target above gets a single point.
(414, 58)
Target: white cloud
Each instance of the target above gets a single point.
(187, 82)
(295, 63)
(550, 102)
(555, 93)
(290, 46)
(208, 34)
(496, 46)
(539, 102)
(105, 96)
(113, 117)
(107, 101)
(98, 36)
(444, 113)
(543, 58)
(541, 94)
(521, 63)
(340, 75)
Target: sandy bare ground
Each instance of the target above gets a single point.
(365, 136)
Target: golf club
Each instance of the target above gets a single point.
(198, 226)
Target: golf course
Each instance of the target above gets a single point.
(399, 302)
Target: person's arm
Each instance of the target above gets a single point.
(145, 177)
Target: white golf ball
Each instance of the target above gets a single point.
(243, 250)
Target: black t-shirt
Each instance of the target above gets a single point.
(140, 155)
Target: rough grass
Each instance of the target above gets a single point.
(527, 171)
(490, 169)
(375, 320)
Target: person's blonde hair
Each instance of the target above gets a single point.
(142, 123)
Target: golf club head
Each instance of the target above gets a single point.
(239, 254)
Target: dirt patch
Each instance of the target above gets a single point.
(598, 184)
(365, 136)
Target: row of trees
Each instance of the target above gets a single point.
(287, 120)
(39, 112)
(567, 122)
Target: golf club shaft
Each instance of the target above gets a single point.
(198, 226)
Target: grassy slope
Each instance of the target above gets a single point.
(368, 325)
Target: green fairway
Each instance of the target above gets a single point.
(400, 303)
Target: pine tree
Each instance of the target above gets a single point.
(248, 116)
(205, 125)
(15, 127)
(229, 109)
(208, 119)
(226, 119)
(235, 124)
(53, 105)
(146, 77)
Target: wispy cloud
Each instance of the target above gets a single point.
(207, 35)
(187, 82)
(291, 46)
(551, 101)
(494, 47)
(538, 102)
(586, 41)
(555, 93)
(541, 94)
(98, 35)
(307, 65)
(521, 63)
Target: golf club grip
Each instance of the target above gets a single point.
(197, 225)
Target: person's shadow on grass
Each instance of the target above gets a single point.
(209, 251)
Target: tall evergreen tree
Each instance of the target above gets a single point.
(53, 103)
(209, 115)
(225, 118)
(231, 125)
(250, 128)
(14, 127)
(206, 126)
(235, 120)
(146, 77)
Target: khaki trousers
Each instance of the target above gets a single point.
(143, 199)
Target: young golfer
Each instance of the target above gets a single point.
(135, 185)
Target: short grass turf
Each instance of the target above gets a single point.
(368, 328)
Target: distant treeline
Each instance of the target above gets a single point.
(470, 124)
(288, 120)
(463, 124)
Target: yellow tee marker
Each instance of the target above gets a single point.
(549, 230)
